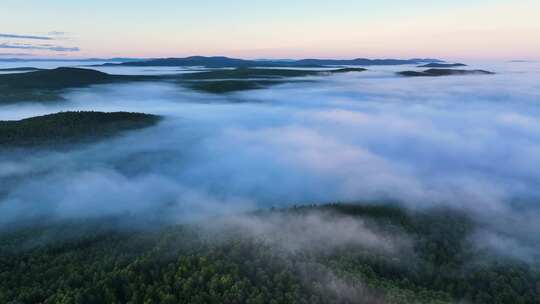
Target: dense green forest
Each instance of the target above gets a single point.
(109, 261)
(443, 72)
(70, 127)
(47, 85)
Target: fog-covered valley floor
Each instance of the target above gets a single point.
(465, 144)
(468, 141)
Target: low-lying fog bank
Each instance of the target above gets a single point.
(468, 142)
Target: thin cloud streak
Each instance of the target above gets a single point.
(15, 54)
(56, 33)
(3, 35)
(48, 47)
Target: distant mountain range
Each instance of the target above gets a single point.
(118, 59)
(226, 62)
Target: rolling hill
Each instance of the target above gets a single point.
(443, 72)
(69, 128)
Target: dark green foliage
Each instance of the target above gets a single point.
(447, 260)
(442, 65)
(241, 79)
(70, 127)
(227, 86)
(8, 95)
(443, 72)
(47, 85)
(188, 264)
(175, 265)
(244, 73)
(59, 78)
(20, 69)
(348, 70)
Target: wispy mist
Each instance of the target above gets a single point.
(466, 142)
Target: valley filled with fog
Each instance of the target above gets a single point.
(466, 146)
(468, 141)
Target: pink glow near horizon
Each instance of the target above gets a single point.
(458, 32)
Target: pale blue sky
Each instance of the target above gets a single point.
(279, 28)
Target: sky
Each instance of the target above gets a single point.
(448, 29)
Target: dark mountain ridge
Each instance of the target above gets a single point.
(443, 72)
(442, 65)
(47, 85)
(20, 69)
(54, 79)
(227, 62)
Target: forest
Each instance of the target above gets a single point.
(109, 261)
(70, 128)
(269, 152)
(38, 85)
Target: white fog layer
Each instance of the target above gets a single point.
(471, 142)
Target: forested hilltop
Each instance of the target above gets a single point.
(70, 127)
(49, 85)
(386, 255)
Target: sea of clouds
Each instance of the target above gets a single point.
(466, 142)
